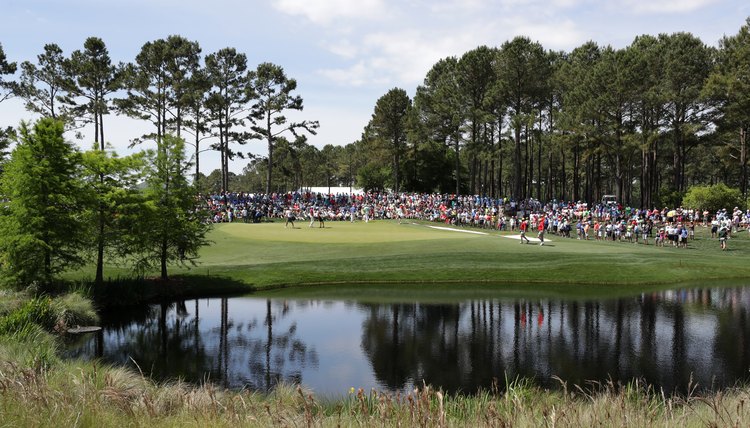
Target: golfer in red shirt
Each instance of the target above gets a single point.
(540, 235)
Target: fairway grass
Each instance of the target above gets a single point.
(268, 255)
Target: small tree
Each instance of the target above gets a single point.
(111, 191)
(171, 226)
(712, 198)
(41, 227)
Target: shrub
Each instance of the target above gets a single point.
(73, 309)
(712, 198)
(36, 311)
(30, 346)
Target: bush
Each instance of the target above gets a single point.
(670, 198)
(30, 346)
(73, 309)
(36, 311)
(712, 198)
(51, 315)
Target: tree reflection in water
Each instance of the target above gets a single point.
(670, 340)
(168, 341)
(666, 339)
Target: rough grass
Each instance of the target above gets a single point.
(88, 395)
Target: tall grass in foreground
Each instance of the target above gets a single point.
(87, 394)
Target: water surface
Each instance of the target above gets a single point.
(672, 339)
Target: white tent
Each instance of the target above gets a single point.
(333, 190)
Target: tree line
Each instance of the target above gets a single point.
(644, 122)
(214, 102)
(62, 209)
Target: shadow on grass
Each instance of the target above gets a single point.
(138, 291)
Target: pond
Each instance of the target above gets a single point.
(673, 340)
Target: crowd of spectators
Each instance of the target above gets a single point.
(600, 221)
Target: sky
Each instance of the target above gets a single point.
(344, 54)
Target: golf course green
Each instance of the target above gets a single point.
(270, 256)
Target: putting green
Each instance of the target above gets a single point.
(339, 232)
(269, 255)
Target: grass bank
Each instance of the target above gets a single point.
(90, 395)
(252, 257)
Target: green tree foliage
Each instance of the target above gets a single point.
(648, 113)
(227, 103)
(521, 68)
(6, 136)
(6, 68)
(612, 82)
(171, 226)
(95, 78)
(195, 99)
(44, 86)
(389, 125)
(476, 83)
(713, 198)
(113, 201)
(272, 91)
(687, 63)
(728, 88)
(42, 228)
(645, 122)
(440, 110)
(147, 84)
(183, 62)
(6, 90)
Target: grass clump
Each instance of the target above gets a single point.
(73, 309)
(30, 347)
(87, 394)
(36, 311)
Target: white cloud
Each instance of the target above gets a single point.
(665, 6)
(564, 4)
(403, 57)
(355, 75)
(343, 48)
(324, 12)
(453, 6)
(556, 35)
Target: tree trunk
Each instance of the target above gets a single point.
(99, 280)
(539, 160)
(101, 130)
(517, 181)
(743, 161)
(576, 172)
(457, 143)
(500, 163)
(396, 166)
(197, 153)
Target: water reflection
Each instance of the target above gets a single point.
(668, 339)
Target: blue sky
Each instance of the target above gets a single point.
(344, 54)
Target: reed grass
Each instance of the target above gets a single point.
(92, 395)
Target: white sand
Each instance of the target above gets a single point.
(457, 230)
